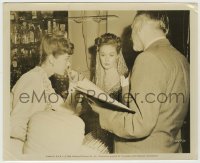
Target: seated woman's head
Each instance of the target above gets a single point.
(108, 48)
(55, 52)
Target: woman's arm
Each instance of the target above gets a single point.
(74, 99)
(23, 105)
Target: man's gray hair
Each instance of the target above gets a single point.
(159, 17)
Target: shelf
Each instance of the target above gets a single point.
(38, 21)
(29, 45)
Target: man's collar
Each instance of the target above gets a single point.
(153, 41)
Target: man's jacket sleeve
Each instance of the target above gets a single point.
(148, 82)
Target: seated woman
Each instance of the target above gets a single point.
(41, 122)
(111, 71)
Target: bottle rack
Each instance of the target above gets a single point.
(27, 29)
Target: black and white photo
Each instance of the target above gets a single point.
(99, 81)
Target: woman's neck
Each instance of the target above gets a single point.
(111, 77)
(110, 71)
(47, 69)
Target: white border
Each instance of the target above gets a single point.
(1, 61)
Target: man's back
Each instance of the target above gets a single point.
(169, 94)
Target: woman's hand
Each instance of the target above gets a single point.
(94, 107)
(71, 88)
(124, 81)
(74, 76)
(125, 90)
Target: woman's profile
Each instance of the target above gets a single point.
(41, 122)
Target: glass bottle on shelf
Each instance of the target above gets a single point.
(13, 31)
(38, 33)
(34, 15)
(15, 36)
(14, 58)
(31, 33)
(49, 27)
(54, 26)
(63, 30)
(27, 36)
(15, 66)
(24, 39)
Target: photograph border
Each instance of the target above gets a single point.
(192, 7)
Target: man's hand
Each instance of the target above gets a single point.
(94, 107)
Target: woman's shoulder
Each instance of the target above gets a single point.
(30, 78)
(31, 74)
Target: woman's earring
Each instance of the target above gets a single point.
(51, 63)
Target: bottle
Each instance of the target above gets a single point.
(28, 32)
(31, 33)
(24, 39)
(14, 58)
(62, 28)
(16, 35)
(38, 33)
(49, 28)
(13, 34)
(54, 26)
(34, 15)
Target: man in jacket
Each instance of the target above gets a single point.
(159, 92)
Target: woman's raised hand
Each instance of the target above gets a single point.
(74, 76)
(124, 81)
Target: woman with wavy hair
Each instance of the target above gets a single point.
(111, 68)
(110, 74)
(41, 122)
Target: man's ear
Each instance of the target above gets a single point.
(142, 33)
(51, 59)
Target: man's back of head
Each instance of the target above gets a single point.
(148, 26)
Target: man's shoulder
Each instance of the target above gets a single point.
(164, 49)
(167, 57)
(147, 56)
